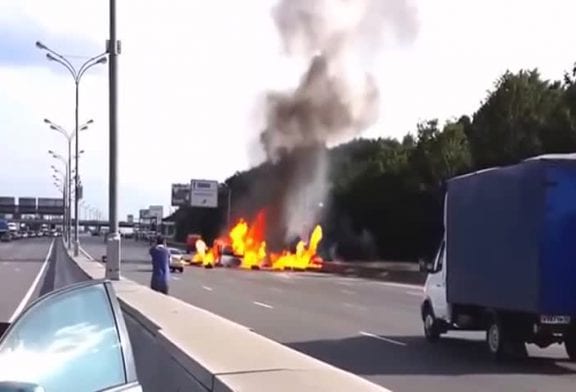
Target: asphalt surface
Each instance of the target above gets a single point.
(20, 264)
(369, 328)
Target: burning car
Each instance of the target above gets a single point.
(245, 247)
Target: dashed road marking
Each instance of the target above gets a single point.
(387, 340)
(207, 288)
(414, 293)
(262, 304)
(353, 306)
(346, 291)
(399, 285)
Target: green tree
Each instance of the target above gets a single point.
(514, 121)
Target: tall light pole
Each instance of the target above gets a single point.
(69, 138)
(77, 75)
(67, 194)
(113, 246)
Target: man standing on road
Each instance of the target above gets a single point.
(160, 266)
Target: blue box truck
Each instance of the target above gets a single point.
(507, 262)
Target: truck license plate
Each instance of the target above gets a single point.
(555, 319)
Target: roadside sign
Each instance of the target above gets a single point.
(204, 193)
(180, 195)
(144, 214)
(27, 205)
(7, 205)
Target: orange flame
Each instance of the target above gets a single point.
(305, 256)
(248, 242)
(204, 255)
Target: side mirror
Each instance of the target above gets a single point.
(426, 265)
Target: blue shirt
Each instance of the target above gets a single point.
(160, 264)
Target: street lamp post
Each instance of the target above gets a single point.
(67, 192)
(113, 255)
(69, 138)
(60, 183)
(77, 75)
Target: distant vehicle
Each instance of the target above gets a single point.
(78, 327)
(506, 263)
(126, 232)
(23, 234)
(177, 261)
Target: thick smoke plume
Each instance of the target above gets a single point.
(337, 97)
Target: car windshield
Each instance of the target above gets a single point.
(175, 251)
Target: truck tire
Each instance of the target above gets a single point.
(500, 344)
(495, 338)
(570, 344)
(431, 328)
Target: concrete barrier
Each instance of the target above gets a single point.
(179, 347)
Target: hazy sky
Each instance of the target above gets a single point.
(192, 74)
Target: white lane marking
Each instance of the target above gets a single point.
(32, 288)
(175, 278)
(17, 269)
(387, 340)
(263, 305)
(346, 291)
(207, 288)
(415, 293)
(353, 306)
(400, 285)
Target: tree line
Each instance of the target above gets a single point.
(386, 195)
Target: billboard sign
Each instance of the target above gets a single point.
(204, 193)
(144, 214)
(50, 206)
(7, 205)
(7, 201)
(27, 205)
(156, 212)
(180, 195)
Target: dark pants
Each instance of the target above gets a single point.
(161, 287)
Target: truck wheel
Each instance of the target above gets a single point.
(570, 344)
(500, 344)
(431, 330)
(495, 338)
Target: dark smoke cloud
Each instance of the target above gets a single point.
(337, 97)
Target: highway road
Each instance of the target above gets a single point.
(20, 265)
(366, 327)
